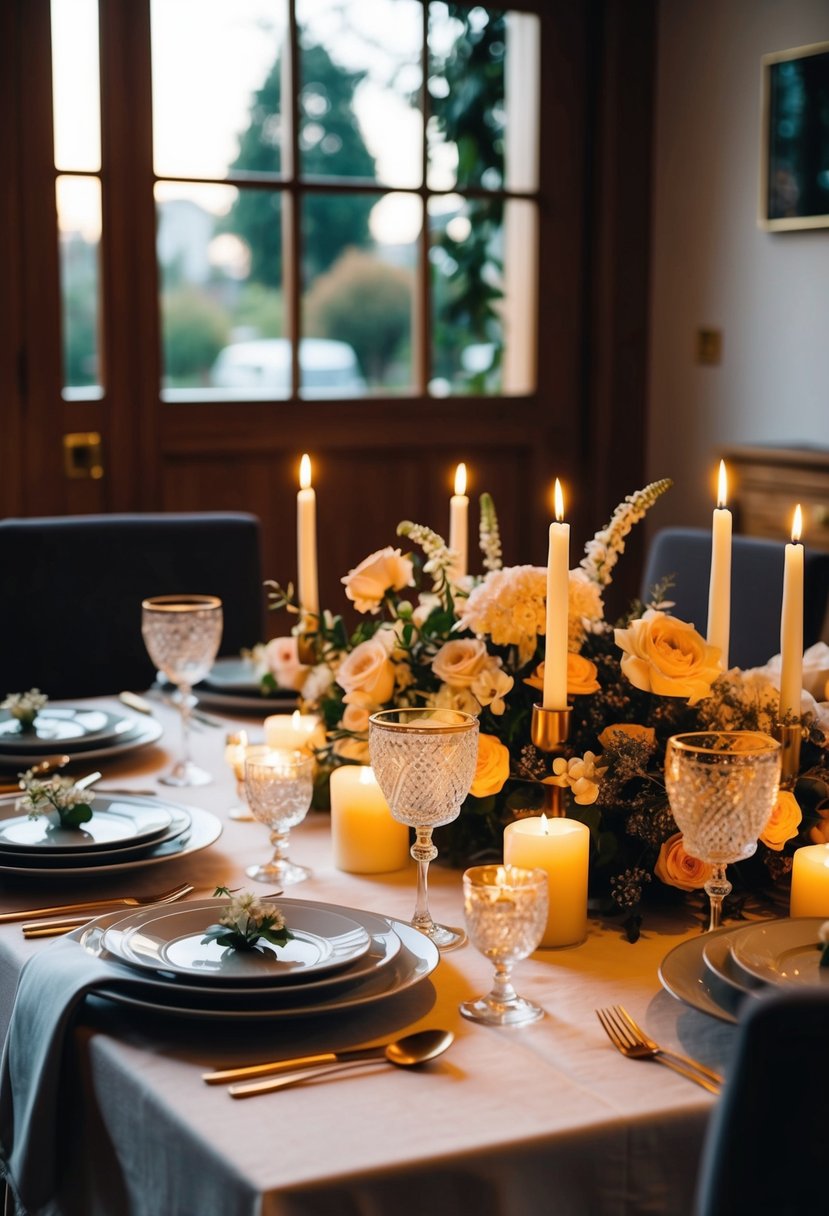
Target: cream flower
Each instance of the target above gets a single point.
(368, 669)
(355, 718)
(509, 607)
(491, 685)
(581, 774)
(668, 657)
(492, 768)
(581, 676)
(457, 663)
(676, 868)
(447, 697)
(352, 749)
(783, 821)
(383, 571)
(282, 658)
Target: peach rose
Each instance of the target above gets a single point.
(457, 663)
(668, 657)
(385, 570)
(492, 769)
(355, 718)
(581, 676)
(676, 868)
(282, 657)
(617, 732)
(783, 822)
(368, 670)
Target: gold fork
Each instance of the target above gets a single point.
(617, 1027)
(128, 901)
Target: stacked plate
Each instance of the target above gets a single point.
(235, 684)
(88, 733)
(339, 958)
(717, 971)
(125, 832)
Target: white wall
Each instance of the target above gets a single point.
(712, 265)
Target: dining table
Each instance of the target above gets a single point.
(510, 1121)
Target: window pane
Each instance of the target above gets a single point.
(483, 98)
(221, 299)
(358, 303)
(76, 92)
(216, 86)
(79, 235)
(359, 105)
(483, 256)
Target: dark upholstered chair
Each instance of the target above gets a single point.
(766, 1141)
(756, 589)
(70, 611)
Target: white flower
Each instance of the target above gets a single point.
(509, 606)
(282, 659)
(602, 552)
(317, 683)
(386, 570)
(455, 698)
(458, 662)
(582, 775)
(25, 706)
(491, 685)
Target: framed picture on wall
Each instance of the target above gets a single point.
(794, 165)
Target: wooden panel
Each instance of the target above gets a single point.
(769, 482)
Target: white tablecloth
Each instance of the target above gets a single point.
(511, 1122)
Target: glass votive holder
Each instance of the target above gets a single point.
(506, 911)
(237, 749)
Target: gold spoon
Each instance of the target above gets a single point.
(408, 1052)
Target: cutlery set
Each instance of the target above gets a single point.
(629, 1039)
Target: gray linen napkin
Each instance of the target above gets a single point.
(53, 985)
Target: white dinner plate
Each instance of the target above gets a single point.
(234, 675)
(144, 731)
(172, 941)
(416, 960)
(684, 975)
(205, 829)
(121, 851)
(248, 703)
(384, 947)
(63, 728)
(783, 952)
(719, 960)
(115, 820)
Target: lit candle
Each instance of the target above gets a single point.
(791, 625)
(294, 732)
(366, 838)
(459, 524)
(306, 542)
(810, 881)
(558, 595)
(561, 848)
(719, 586)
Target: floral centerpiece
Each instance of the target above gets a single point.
(477, 644)
(247, 923)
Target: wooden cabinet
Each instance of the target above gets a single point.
(768, 483)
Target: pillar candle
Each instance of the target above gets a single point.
(558, 598)
(560, 847)
(719, 586)
(291, 731)
(810, 881)
(306, 543)
(791, 625)
(459, 524)
(365, 836)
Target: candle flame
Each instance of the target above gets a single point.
(797, 525)
(559, 501)
(366, 776)
(722, 486)
(296, 720)
(460, 479)
(305, 472)
(544, 829)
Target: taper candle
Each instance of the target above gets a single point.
(459, 524)
(791, 624)
(306, 526)
(558, 596)
(719, 586)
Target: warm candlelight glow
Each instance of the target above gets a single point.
(296, 720)
(558, 498)
(366, 776)
(460, 479)
(365, 836)
(305, 472)
(797, 525)
(544, 828)
(722, 486)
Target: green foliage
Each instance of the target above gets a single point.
(195, 329)
(261, 310)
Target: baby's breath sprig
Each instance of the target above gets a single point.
(602, 552)
(440, 559)
(247, 922)
(489, 534)
(25, 706)
(58, 793)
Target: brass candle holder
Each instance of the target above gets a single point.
(549, 732)
(790, 737)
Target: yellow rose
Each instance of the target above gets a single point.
(368, 670)
(615, 734)
(458, 662)
(668, 657)
(492, 769)
(385, 570)
(581, 676)
(676, 868)
(783, 822)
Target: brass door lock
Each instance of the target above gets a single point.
(82, 455)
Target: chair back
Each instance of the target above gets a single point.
(70, 613)
(766, 1140)
(756, 589)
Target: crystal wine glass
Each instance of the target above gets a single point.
(424, 761)
(722, 787)
(279, 786)
(182, 635)
(506, 914)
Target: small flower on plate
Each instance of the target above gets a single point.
(55, 793)
(247, 922)
(25, 706)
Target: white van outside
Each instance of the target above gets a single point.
(327, 368)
